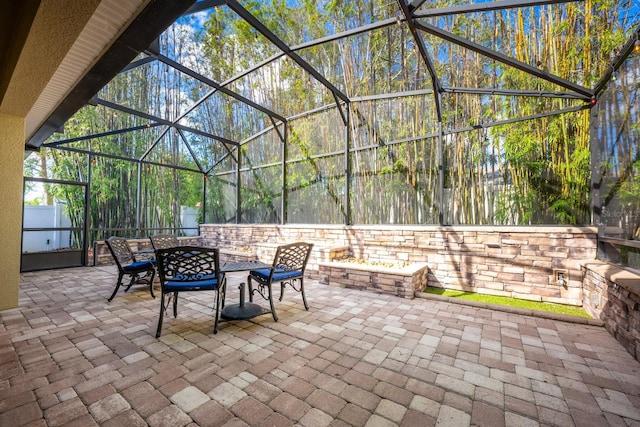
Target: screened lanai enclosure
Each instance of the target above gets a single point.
(510, 112)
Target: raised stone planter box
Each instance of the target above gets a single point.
(402, 282)
(612, 294)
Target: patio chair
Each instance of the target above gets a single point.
(163, 241)
(140, 271)
(189, 269)
(288, 268)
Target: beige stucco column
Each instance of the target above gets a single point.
(12, 130)
(42, 36)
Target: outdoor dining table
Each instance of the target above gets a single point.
(243, 310)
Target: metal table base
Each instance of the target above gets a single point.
(243, 310)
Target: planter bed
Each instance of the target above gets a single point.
(402, 281)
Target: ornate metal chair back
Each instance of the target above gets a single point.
(121, 251)
(164, 241)
(187, 264)
(292, 257)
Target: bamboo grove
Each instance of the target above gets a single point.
(373, 160)
(616, 131)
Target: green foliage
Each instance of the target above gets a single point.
(630, 189)
(530, 172)
(511, 302)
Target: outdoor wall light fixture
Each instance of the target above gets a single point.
(560, 277)
(562, 281)
(595, 299)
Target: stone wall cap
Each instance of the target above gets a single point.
(408, 270)
(426, 227)
(626, 278)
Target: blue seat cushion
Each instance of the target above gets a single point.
(279, 274)
(204, 283)
(138, 266)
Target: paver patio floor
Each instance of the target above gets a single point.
(70, 358)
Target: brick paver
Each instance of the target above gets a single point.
(68, 357)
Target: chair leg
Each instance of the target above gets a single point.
(162, 308)
(273, 308)
(219, 301)
(224, 293)
(134, 278)
(215, 321)
(250, 285)
(304, 299)
(118, 284)
(175, 304)
(153, 275)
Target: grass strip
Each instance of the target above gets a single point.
(512, 302)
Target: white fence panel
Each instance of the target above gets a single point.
(44, 216)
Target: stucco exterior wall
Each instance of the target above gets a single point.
(11, 143)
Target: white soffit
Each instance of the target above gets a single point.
(110, 19)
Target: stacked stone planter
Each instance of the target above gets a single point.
(612, 295)
(403, 282)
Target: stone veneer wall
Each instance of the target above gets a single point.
(509, 261)
(612, 294)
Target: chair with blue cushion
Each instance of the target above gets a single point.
(189, 269)
(288, 268)
(140, 271)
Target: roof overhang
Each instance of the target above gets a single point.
(55, 56)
